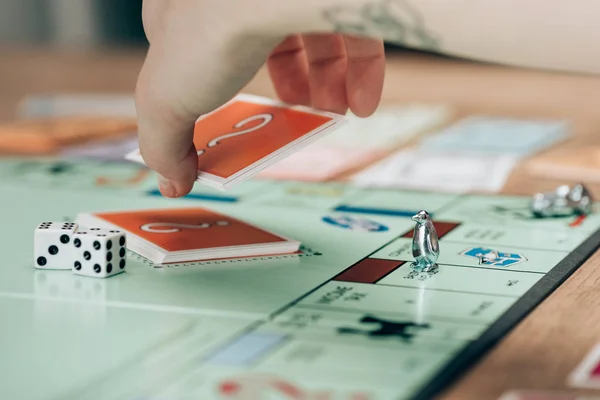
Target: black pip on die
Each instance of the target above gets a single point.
(53, 245)
(99, 252)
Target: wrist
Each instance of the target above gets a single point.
(395, 21)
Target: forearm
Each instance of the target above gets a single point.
(544, 34)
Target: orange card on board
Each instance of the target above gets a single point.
(189, 234)
(248, 134)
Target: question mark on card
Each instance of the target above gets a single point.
(175, 227)
(266, 119)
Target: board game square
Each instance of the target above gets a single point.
(475, 255)
(464, 279)
(421, 304)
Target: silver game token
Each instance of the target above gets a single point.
(425, 245)
(581, 200)
(563, 201)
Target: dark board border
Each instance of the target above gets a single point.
(472, 353)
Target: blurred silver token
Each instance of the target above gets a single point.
(563, 201)
(581, 199)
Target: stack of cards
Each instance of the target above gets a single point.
(452, 172)
(189, 234)
(489, 135)
(93, 114)
(44, 136)
(77, 105)
(248, 134)
(474, 154)
(361, 142)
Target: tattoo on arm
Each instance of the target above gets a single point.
(395, 21)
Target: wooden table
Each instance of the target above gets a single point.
(548, 344)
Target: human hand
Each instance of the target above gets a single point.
(202, 52)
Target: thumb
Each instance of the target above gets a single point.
(186, 74)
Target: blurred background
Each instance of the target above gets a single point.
(74, 23)
(68, 70)
(71, 22)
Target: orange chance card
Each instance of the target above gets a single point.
(188, 229)
(250, 133)
(243, 132)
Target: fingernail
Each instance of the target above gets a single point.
(166, 187)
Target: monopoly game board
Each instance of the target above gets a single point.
(346, 318)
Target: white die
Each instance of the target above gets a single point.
(99, 252)
(53, 245)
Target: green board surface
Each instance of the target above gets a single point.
(346, 319)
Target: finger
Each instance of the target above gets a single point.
(152, 12)
(326, 54)
(183, 78)
(288, 69)
(365, 74)
(165, 134)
